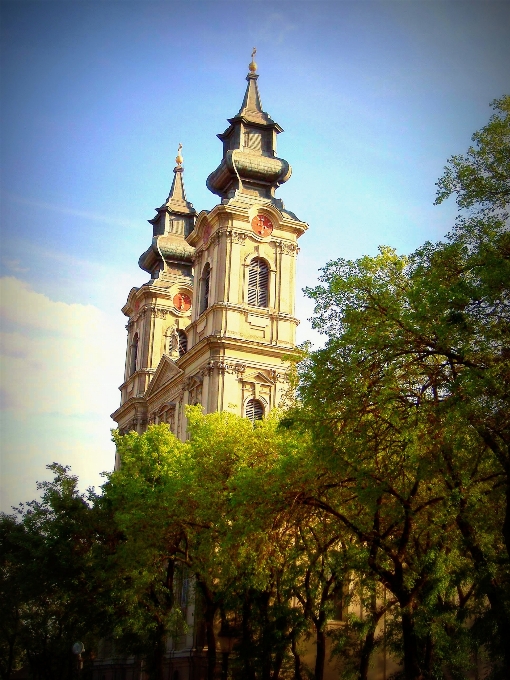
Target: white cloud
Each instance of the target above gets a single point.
(56, 357)
(60, 367)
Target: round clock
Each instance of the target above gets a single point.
(262, 225)
(207, 232)
(182, 302)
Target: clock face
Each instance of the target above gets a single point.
(262, 225)
(207, 232)
(182, 302)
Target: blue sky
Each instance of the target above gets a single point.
(373, 96)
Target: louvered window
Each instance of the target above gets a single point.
(204, 288)
(254, 410)
(258, 283)
(134, 355)
(253, 140)
(183, 342)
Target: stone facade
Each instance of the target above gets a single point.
(214, 326)
(216, 321)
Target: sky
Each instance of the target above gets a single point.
(374, 97)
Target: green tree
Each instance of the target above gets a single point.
(408, 403)
(50, 591)
(148, 499)
(480, 178)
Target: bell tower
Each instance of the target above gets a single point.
(243, 324)
(159, 310)
(219, 336)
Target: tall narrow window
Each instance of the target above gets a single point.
(183, 342)
(258, 283)
(254, 410)
(204, 288)
(133, 355)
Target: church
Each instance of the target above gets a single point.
(215, 323)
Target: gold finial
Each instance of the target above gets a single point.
(253, 66)
(179, 158)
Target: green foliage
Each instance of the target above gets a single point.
(380, 498)
(481, 177)
(408, 403)
(50, 585)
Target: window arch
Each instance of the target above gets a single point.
(183, 342)
(133, 355)
(204, 287)
(258, 283)
(254, 410)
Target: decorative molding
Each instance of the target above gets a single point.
(236, 368)
(277, 376)
(240, 368)
(158, 311)
(215, 237)
(220, 366)
(204, 372)
(193, 381)
(237, 236)
(287, 247)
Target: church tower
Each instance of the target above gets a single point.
(215, 323)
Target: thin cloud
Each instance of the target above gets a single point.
(275, 28)
(65, 210)
(14, 266)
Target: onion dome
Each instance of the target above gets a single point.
(174, 221)
(249, 164)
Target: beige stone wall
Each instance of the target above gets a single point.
(236, 351)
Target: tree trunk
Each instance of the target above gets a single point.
(278, 662)
(266, 636)
(297, 660)
(320, 658)
(210, 608)
(159, 657)
(366, 653)
(246, 646)
(495, 594)
(369, 641)
(412, 669)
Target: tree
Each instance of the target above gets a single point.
(148, 499)
(408, 403)
(480, 179)
(50, 590)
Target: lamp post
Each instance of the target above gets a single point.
(78, 649)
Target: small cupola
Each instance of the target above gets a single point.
(174, 221)
(249, 164)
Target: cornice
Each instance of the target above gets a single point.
(126, 406)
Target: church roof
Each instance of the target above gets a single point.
(249, 164)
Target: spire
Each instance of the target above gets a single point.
(249, 165)
(251, 108)
(176, 201)
(174, 221)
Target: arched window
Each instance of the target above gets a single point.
(183, 342)
(254, 410)
(204, 288)
(133, 355)
(258, 283)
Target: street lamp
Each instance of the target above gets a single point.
(78, 649)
